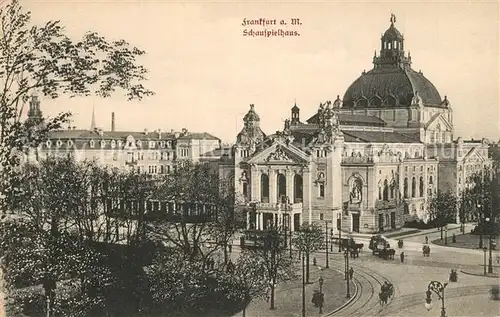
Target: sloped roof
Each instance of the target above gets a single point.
(353, 119)
(377, 137)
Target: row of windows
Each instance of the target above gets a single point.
(184, 152)
(159, 206)
(139, 156)
(113, 143)
(431, 168)
(414, 187)
(155, 169)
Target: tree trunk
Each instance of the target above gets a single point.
(244, 311)
(272, 293)
(307, 268)
(441, 232)
(49, 287)
(226, 256)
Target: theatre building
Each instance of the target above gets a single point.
(368, 161)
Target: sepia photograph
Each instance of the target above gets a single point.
(249, 158)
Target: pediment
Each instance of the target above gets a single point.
(439, 119)
(279, 153)
(474, 156)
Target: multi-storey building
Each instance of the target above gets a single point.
(152, 152)
(369, 162)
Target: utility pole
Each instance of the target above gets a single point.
(303, 286)
(326, 240)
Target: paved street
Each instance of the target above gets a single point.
(468, 297)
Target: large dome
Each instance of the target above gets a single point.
(392, 82)
(391, 86)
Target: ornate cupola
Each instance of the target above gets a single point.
(251, 134)
(392, 48)
(34, 112)
(295, 114)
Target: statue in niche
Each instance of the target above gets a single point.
(287, 124)
(356, 191)
(321, 176)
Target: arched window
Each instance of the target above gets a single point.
(390, 101)
(406, 187)
(386, 190)
(421, 186)
(362, 103)
(264, 188)
(392, 188)
(297, 188)
(430, 180)
(375, 101)
(281, 190)
(413, 187)
(380, 190)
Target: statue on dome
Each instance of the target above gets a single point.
(393, 18)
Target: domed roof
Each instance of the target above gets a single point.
(251, 115)
(391, 87)
(392, 82)
(392, 33)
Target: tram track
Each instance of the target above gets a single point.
(366, 303)
(415, 299)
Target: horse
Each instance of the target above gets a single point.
(382, 296)
(426, 250)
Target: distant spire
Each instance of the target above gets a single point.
(92, 124)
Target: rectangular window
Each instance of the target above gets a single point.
(406, 168)
(321, 216)
(322, 190)
(245, 189)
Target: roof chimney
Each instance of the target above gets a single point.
(159, 133)
(112, 121)
(145, 131)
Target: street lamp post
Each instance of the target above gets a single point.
(346, 256)
(326, 240)
(339, 227)
(321, 294)
(484, 250)
(303, 286)
(490, 259)
(481, 226)
(438, 289)
(446, 234)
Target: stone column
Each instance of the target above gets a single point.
(254, 184)
(307, 195)
(248, 220)
(292, 223)
(261, 220)
(289, 185)
(273, 190)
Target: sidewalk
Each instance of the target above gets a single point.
(288, 298)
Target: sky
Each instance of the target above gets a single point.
(206, 73)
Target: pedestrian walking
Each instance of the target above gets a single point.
(402, 256)
(230, 248)
(351, 273)
(426, 240)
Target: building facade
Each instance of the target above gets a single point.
(150, 152)
(368, 162)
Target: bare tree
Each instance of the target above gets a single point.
(275, 259)
(309, 239)
(249, 272)
(443, 209)
(192, 200)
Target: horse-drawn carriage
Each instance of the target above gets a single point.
(349, 243)
(381, 247)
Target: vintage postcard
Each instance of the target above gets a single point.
(249, 158)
